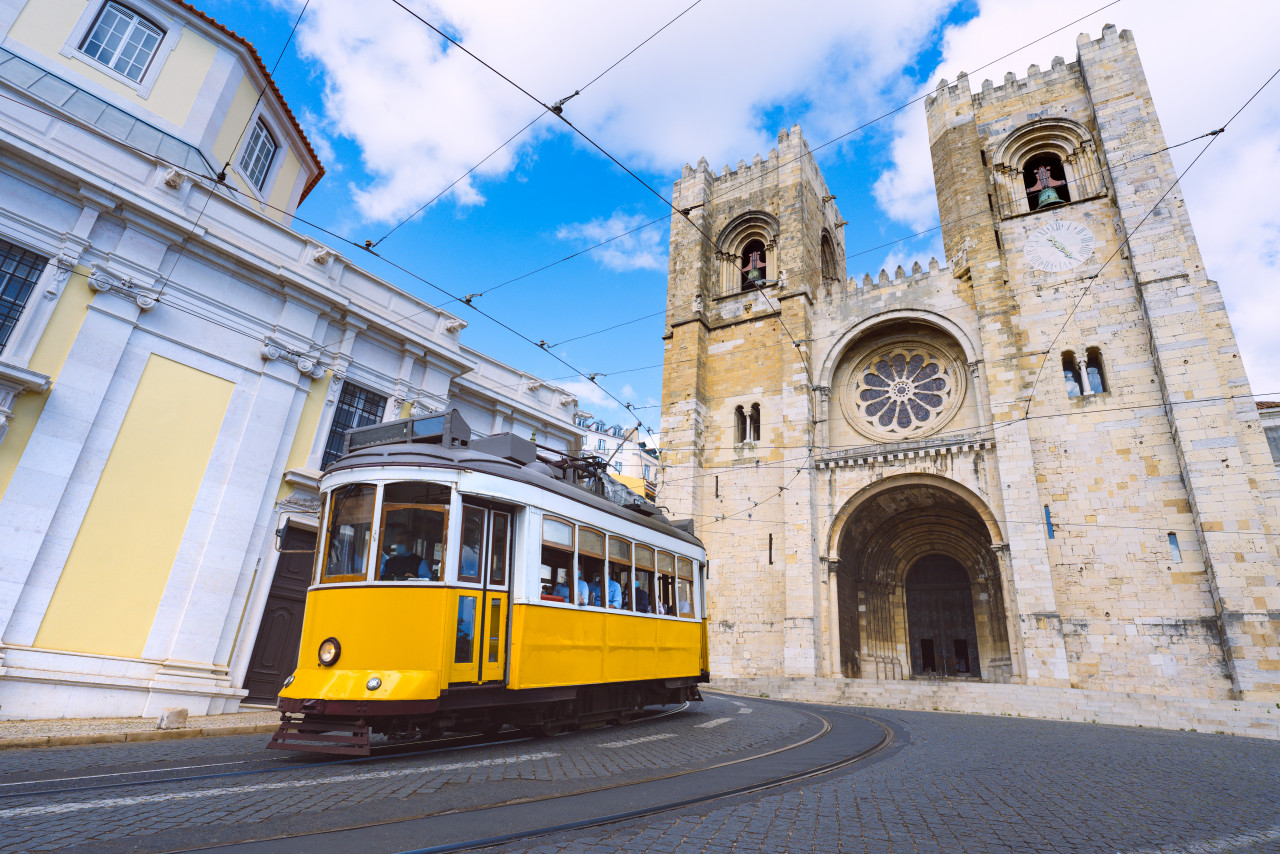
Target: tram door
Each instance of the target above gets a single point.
(480, 653)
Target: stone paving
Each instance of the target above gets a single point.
(300, 795)
(958, 783)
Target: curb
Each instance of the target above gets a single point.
(139, 735)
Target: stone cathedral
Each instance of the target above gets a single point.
(1036, 462)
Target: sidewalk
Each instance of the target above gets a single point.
(61, 732)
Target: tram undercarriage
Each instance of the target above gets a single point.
(347, 726)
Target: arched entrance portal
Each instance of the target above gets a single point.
(918, 587)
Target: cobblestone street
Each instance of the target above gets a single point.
(965, 783)
(945, 783)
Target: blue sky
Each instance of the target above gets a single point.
(396, 117)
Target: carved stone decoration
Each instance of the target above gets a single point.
(100, 281)
(903, 388)
(174, 179)
(272, 351)
(697, 303)
(322, 255)
(62, 267)
(300, 502)
(453, 327)
(567, 400)
(145, 301)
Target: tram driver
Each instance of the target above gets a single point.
(403, 563)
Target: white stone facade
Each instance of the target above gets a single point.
(183, 341)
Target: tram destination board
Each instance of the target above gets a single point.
(447, 428)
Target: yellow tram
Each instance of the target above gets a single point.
(463, 584)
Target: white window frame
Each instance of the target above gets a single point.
(171, 27)
(261, 114)
(258, 129)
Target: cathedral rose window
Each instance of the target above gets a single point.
(902, 390)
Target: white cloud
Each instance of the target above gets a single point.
(422, 115)
(1201, 62)
(591, 396)
(645, 249)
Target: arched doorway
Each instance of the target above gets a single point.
(940, 624)
(916, 564)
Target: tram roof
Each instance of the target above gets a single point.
(468, 459)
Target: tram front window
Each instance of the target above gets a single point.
(350, 530)
(415, 519)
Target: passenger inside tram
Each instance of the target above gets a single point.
(591, 567)
(403, 563)
(644, 583)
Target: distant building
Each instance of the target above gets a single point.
(631, 462)
(177, 364)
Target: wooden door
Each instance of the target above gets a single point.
(275, 652)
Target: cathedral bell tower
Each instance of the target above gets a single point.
(738, 406)
(1134, 475)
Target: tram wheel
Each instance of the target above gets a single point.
(550, 728)
(491, 730)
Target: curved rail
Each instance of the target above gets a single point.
(660, 806)
(282, 763)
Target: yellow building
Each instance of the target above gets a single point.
(177, 364)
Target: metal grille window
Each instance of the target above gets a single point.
(19, 270)
(123, 41)
(257, 156)
(357, 407)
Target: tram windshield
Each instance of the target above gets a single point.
(415, 517)
(350, 529)
(684, 587)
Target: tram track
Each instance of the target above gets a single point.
(489, 815)
(287, 763)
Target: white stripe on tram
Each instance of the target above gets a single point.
(105, 803)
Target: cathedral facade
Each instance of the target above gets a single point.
(1037, 461)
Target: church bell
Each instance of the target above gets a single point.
(1048, 198)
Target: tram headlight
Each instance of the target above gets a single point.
(330, 649)
(373, 684)
(288, 680)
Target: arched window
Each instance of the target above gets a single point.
(755, 270)
(828, 259)
(1046, 181)
(1071, 374)
(739, 425)
(753, 423)
(1093, 370)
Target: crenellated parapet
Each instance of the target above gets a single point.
(935, 275)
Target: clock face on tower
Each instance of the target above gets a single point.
(1059, 246)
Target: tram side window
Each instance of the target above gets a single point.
(684, 587)
(557, 560)
(498, 548)
(619, 591)
(591, 565)
(666, 584)
(644, 580)
(350, 531)
(472, 544)
(415, 517)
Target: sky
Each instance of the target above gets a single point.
(397, 116)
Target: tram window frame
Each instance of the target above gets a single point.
(598, 570)
(332, 519)
(626, 568)
(569, 550)
(477, 579)
(666, 584)
(649, 571)
(443, 507)
(505, 551)
(684, 575)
